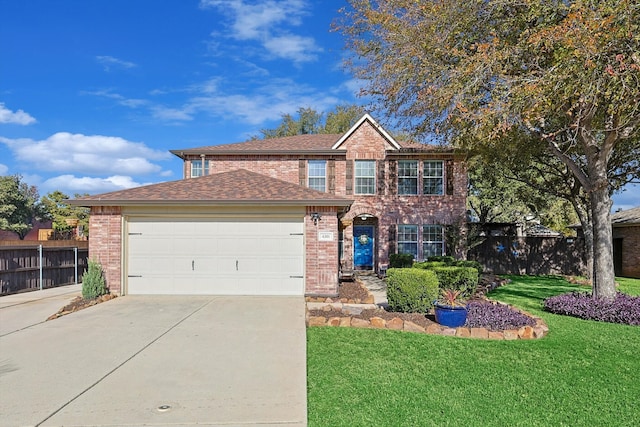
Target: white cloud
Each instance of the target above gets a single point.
(267, 103)
(70, 184)
(171, 114)
(3, 169)
(95, 154)
(265, 22)
(122, 100)
(19, 117)
(109, 61)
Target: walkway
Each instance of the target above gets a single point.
(376, 286)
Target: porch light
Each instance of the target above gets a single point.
(365, 216)
(316, 217)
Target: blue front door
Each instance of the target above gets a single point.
(363, 246)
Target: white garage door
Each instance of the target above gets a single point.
(218, 257)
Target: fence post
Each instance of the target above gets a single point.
(40, 263)
(75, 264)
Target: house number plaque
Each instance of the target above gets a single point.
(325, 236)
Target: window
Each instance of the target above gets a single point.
(196, 168)
(408, 240)
(432, 241)
(317, 175)
(365, 177)
(433, 177)
(408, 177)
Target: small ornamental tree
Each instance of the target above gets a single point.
(93, 281)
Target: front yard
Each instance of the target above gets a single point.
(583, 373)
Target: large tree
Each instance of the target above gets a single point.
(19, 205)
(562, 77)
(60, 211)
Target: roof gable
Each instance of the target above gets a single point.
(367, 118)
(235, 187)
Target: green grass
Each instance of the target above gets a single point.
(583, 373)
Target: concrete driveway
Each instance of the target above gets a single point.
(158, 360)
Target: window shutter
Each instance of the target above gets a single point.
(331, 172)
(381, 180)
(448, 176)
(393, 177)
(349, 177)
(302, 172)
(392, 239)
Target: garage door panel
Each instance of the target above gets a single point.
(224, 257)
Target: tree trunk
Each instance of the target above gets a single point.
(584, 215)
(603, 275)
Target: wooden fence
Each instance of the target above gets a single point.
(40, 266)
(531, 255)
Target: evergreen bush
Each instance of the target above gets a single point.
(93, 281)
(459, 278)
(400, 261)
(411, 290)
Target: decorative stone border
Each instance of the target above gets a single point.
(348, 320)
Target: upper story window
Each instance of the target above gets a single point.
(317, 176)
(196, 168)
(408, 177)
(433, 177)
(365, 177)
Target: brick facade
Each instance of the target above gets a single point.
(105, 243)
(329, 243)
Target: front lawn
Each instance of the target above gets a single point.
(582, 373)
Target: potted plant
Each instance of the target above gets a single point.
(451, 308)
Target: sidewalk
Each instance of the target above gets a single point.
(376, 286)
(20, 311)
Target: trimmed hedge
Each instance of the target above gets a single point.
(447, 259)
(462, 278)
(428, 265)
(400, 261)
(411, 290)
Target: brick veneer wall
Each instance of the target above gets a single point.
(105, 243)
(321, 257)
(630, 249)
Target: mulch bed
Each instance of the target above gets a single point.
(353, 290)
(79, 303)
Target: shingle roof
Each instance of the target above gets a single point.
(234, 187)
(626, 217)
(297, 143)
(309, 143)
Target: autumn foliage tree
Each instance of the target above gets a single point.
(527, 76)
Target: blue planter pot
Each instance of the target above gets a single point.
(452, 317)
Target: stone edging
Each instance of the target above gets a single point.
(348, 320)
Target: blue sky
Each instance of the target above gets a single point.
(93, 94)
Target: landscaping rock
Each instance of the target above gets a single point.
(480, 333)
(396, 324)
(412, 327)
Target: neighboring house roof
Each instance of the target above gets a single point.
(626, 217)
(540, 230)
(228, 188)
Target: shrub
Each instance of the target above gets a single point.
(441, 258)
(622, 309)
(411, 290)
(93, 282)
(427, 265)
(495, 317)
(467, 263)
(400, 261)
(462, 278)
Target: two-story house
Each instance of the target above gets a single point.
(280, 215)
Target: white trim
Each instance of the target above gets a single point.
(375, 124)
